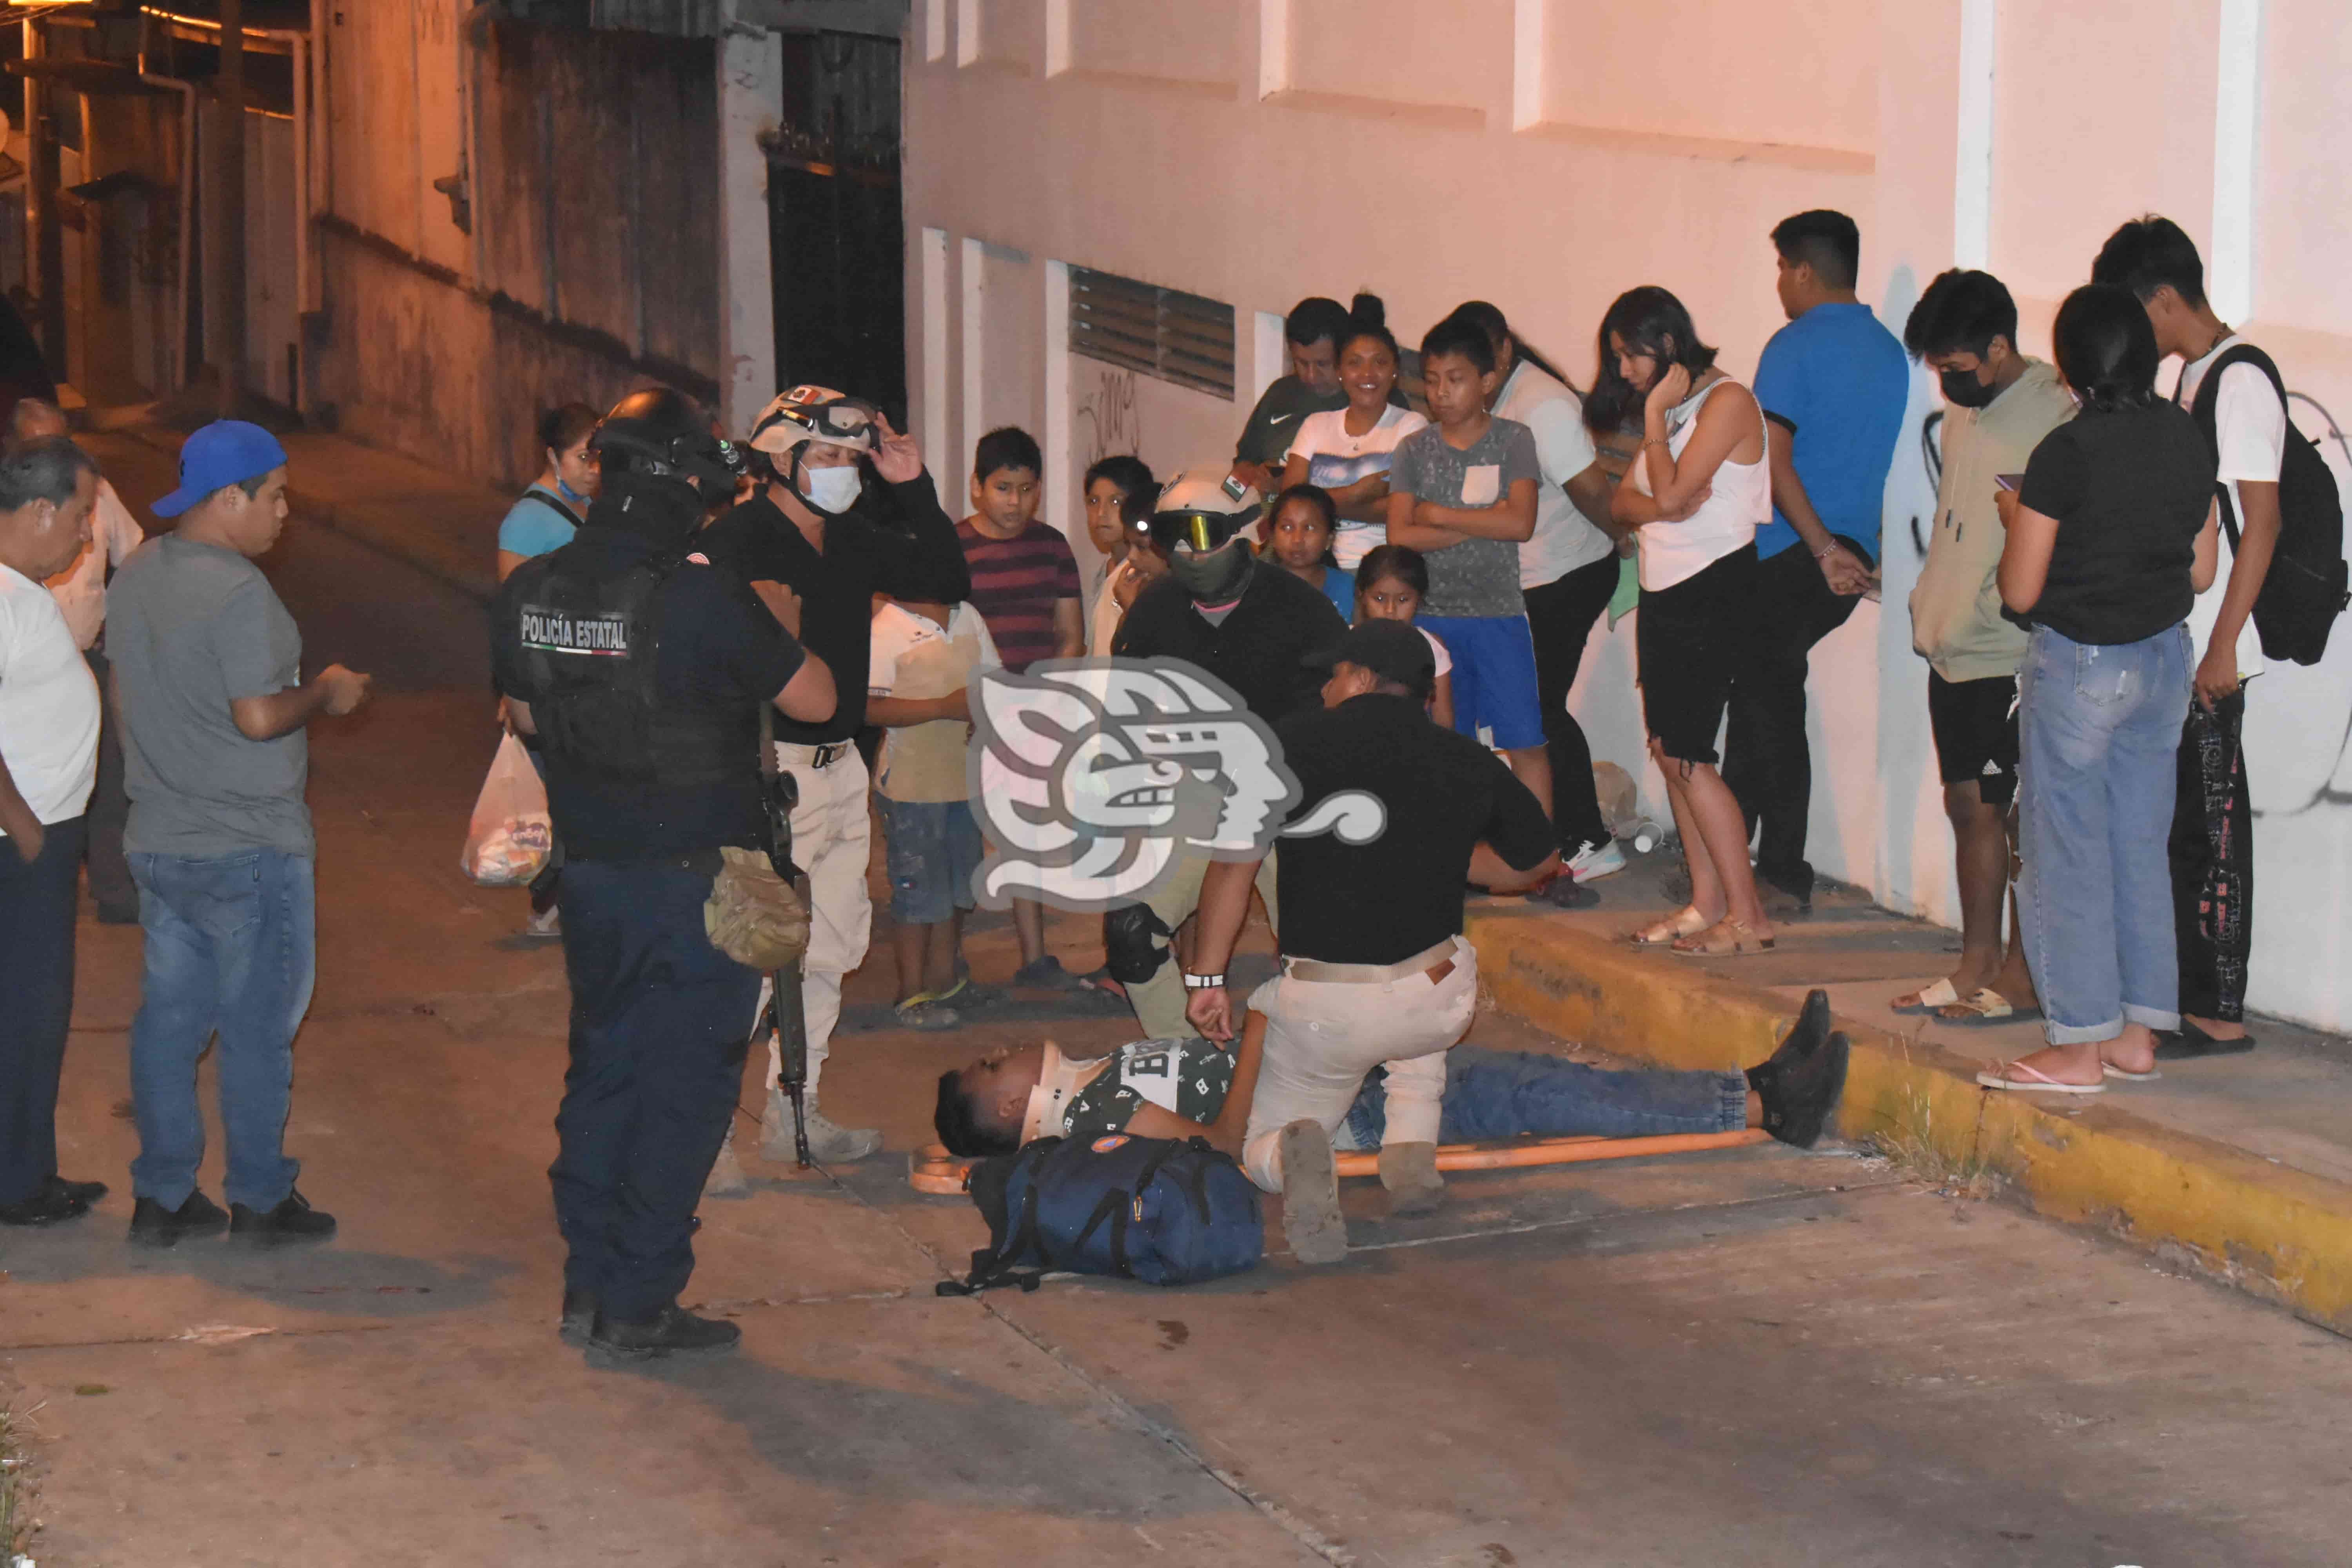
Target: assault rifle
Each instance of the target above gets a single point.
(784, 1021)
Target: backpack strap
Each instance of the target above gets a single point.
(548, 502)
(2205, 409)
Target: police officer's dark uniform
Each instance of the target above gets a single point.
(643, 670)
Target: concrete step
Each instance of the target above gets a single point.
(2241, 1167)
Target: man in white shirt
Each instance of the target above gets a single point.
(48, 755)
(80, 592)
(2212, 844)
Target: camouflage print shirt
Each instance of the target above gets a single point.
(1190, 1077)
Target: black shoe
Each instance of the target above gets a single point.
(673, 1331)
(579, 1320)
(88, 1191)
(1808, 1034)
(1799, 1092)
(2191, 1043)
(53, 1203)
(153, 1224)
(1565, 892)
(292, 1222)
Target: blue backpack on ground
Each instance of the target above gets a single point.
(1162, 1210)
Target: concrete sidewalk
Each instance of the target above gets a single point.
(444, 525)
(2240, 1167)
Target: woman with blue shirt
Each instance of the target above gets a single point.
(548, 513)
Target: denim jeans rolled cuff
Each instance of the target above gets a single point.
(1492, 1095)
(2099, 728)
(231, 946)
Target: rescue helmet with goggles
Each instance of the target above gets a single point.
(662, 432)
(816, 414)
(1201, 510)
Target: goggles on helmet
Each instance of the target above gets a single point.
(1201, 531)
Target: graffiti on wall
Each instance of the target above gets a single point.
(1107, 421)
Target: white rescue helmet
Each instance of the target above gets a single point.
(818, 414)
(1203, 508)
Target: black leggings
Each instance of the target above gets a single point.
(1560, 616)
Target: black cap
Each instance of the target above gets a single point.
(1394, 650)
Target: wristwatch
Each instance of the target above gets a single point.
(1203, 981)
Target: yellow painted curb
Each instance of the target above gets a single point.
(2277, 1233)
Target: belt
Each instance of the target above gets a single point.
(1437, 963)
(817, 757)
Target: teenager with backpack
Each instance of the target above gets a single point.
(2274, 596)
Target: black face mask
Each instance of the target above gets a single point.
(1963, 390)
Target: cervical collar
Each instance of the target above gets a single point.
(1058, 1081)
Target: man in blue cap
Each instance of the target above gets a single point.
(208, 669)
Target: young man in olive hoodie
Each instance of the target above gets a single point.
(1998, 406)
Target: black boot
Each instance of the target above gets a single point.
(671, 1331)
(54, 1202)
(293, 1223)
(1799, 1091)
(153, 1224)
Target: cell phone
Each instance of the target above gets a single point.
(2009, 481)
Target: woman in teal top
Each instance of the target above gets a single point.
(544, 518)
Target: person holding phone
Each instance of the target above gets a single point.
(1998, 405)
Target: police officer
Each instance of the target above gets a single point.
(1374, 969)
(1251, 625)
(643, 670)
(809, 542)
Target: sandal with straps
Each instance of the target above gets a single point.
(1743, 939)
(1662, 934)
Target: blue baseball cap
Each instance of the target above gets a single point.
(224, 452)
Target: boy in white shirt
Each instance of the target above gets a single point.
(2212, 843)
(926, 653)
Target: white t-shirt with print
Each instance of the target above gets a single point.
(1335, 459)
(1564, 538)
(912, 655)
(48, 703)
(2250, 430)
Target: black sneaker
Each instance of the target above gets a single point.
(2188, 1043)
(1799, 1091)
(579, 1320)
(673, 1331)
(1804, 1037)
(53, 1203)
(293, 1223)
(153, 1224)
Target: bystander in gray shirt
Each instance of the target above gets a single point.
(1477, 576)
(191, 628)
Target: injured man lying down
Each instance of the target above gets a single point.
(1194, 1087)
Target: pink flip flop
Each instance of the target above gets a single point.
(2035, 1079)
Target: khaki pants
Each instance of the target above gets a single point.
(832, 841)
(1323, 1036)
(1159, 1002)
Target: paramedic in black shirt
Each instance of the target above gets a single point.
(1374, 969)
(817, 556)
(643, 670)
(1249, 624)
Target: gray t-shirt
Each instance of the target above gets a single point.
(1477, 576)
(190, 628)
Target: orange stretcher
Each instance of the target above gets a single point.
(931, 1169)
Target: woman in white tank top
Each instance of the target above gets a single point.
(1699, 488)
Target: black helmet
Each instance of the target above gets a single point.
(661, 432)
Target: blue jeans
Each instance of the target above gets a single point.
(660, 1023)
(1511, 1094)
(932, 849)
(2097, 730)
(232, 946)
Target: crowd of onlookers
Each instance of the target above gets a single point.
(2109, 567)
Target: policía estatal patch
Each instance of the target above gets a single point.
(553, 632)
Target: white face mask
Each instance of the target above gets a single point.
(833, 490)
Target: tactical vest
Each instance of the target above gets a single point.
(590, 652)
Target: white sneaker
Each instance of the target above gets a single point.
(725, 1179)
(1595, 861)
(547, 924)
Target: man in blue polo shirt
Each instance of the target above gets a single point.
(1834, 381)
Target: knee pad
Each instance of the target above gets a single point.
(1135, 943)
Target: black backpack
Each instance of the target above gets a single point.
(2304, 590)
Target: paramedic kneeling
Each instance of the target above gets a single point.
(1374, 969)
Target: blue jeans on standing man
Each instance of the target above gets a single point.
(2098, 726)
(1511, 1094)
(232, 946)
